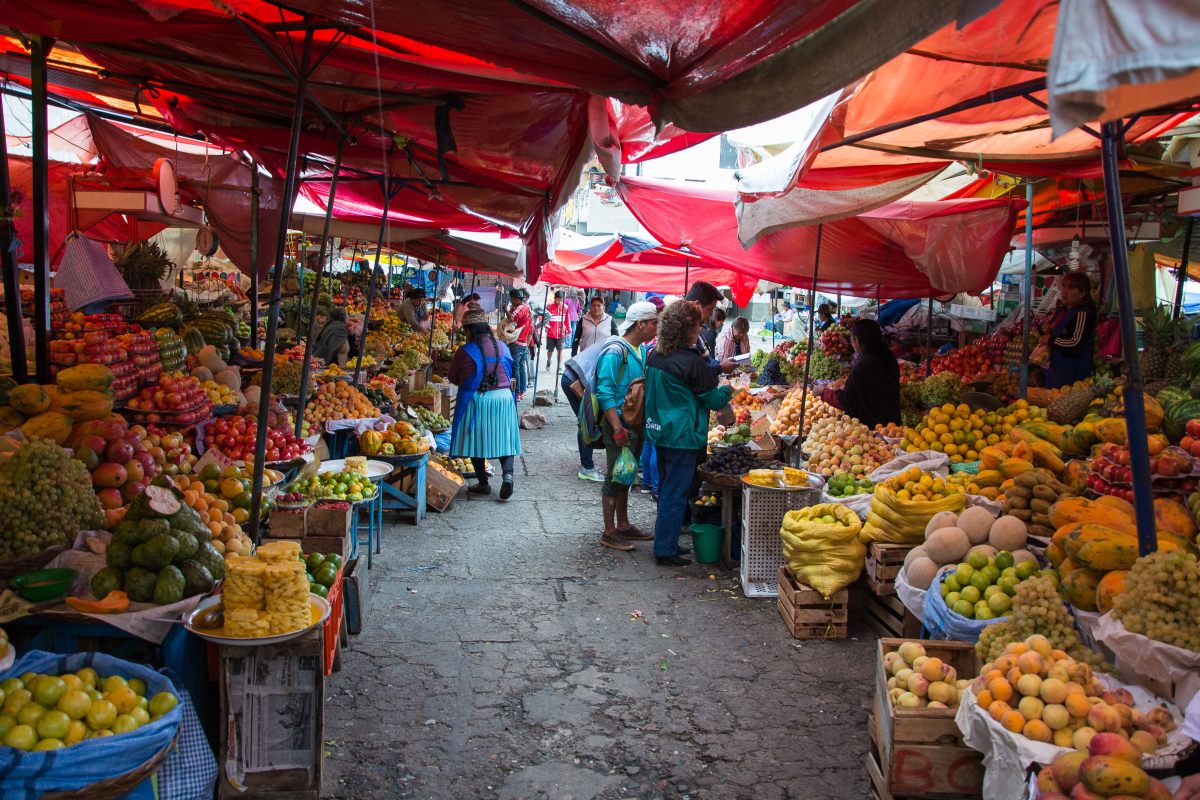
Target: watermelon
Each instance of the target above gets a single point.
(166, 315)
(1170, 395)
(1177, 416)
(193, 339)
(1191, 359)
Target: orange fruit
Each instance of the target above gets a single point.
(123, 698)
(1000, 689)
(1013, 721)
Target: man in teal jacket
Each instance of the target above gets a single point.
(681, 388)
(621, 362)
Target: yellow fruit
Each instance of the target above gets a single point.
(21, 737)
(1037, 730)
(1013, 721)
(113, 682)
(1001, 689)
(76, 733)
(53, 724)
(101, 715)
(124, 723)
(140, 715)
(123, 698)
(75, 704)
(30, 713)
(161, 703)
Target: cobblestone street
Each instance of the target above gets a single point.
(502, 659)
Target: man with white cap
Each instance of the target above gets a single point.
(622, 362)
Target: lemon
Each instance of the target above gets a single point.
(101, 715)
(75, 704)
(21, 737)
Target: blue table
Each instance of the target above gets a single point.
(393, 499)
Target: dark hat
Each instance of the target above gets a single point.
(475, 315)
(516, 294)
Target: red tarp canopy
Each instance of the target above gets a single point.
(655, 269)
(905, 249)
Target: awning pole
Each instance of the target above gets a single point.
(687, 275)
(929, 340)
(1135, 409)
(289, 191)
(771, 316)
(437, 270)
(533, 356)
(388, 191)
(812, 296)
(839, 305)
(1181, 275)
(253, 254)
(1027, 291)
(318, 278)
(8, 263)
(39, 48)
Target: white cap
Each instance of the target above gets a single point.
(638, 312)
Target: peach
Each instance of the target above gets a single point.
(1040, 645)
(1000, 689)
(1029, 685)
(1126, 714)
(999, 709)
(1077, 703)
(918, 661)
(984, 699)
(1109, 744)
(1036, 729)
(894, 695)
(1053, 690)
(942, 693)
(1059, 673)
(1144, 742)
(1031, 662)
(1161, 717)
(1013, 721)
(1082, 737)
(1059, 655)
(1158, 733)
(1104, 717)
(1016, 648)
(918, 685)
(911, 651)
(1014, 675)
(902, 675)
(932, 670)
(1031, 708)
(1062, 737)
(1056, 717)
(1005, 662)
(889, 660)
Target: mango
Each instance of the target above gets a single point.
(1065, 769)
(1115, 746)
(1110, 775)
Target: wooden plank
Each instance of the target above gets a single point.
(944, 772)
(807, 614)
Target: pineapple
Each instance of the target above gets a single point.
(1069, 407)
(1158, 337)
(1181, 337)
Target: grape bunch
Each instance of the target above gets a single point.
(770, 375)
(1037, 609)
(1161, 599)
(46, 497)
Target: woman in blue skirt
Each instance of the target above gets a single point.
(485, 414)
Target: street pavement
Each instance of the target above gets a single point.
(508, 655)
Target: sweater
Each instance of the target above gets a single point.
(680, 391)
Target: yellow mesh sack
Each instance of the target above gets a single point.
(825, 555)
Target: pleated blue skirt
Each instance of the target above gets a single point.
(486, 426)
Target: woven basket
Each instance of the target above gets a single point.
(11, 569)
(720, 479)
(113, 788)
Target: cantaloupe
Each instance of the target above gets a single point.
(942, 519)
(986, 549)
(914, 554)
(947, 545)
(1023, 555)
(1008, 533)
(976, 521)
(920, 572)
(253, 394)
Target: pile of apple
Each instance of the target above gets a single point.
(171, 450)
(119, 459)
(1171, 469)
(236, 436)
(176, 398)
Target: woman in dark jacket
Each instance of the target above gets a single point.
(871, 393)
(1072, 333)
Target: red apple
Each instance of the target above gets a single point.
(119, 451)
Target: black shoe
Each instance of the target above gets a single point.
(672, 561)
(480, 488)
(506, 488)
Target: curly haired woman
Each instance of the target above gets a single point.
(680, 391)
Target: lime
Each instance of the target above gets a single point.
(30, 713)
(162, 702)
(101, 715)
(53, 725)
(1004, 559)
(16, 700)
(210, 472)
(89, 677)
(952, 582)
(124, 724)
(138, 685)
(1008, 583)
(48, 689)
(945, 589)
(141, 715)
(983, 612)
(972, 594)
(991, 590)
(49, 744)
(75, 704)
(1000, 604)
(977, 560)
(952, 598)
(980, 580)
(21, 737)
(9, 685)
(1048, 573)
(964, 573)
(964, 609)
(113, 682)
(99, 733)
(314, 560)
(1026, 569)
(318, 589)
(7, 723)
(76, 733)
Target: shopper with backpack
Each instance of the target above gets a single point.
(619, 399)
(578, 374)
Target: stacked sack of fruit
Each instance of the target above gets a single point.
(902, 506)
(821, 546)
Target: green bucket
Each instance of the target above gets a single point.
(706, 543)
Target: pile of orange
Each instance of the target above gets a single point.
(961, 433)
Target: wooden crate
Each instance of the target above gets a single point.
(919, 752)
(356, 594)
(883, 565)
(887, 616)
(287, 523)
(273, 701)
(807, 614)
(917, 772)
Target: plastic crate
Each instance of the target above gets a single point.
(762, 549)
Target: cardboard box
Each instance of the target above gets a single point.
(342, 545)
(272, 719)
(287, 524)
(328, 522)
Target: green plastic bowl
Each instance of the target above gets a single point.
(45, 584)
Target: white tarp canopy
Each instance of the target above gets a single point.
(1114, 58)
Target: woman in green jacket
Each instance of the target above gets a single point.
(680, 391)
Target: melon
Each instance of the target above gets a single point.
(942, 519)
(986, 549)
(920, 572)
(947, 545)
(1008, 533)
(914, 554)
(976, 521)
(1023, 555)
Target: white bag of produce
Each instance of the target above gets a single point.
(912, 597)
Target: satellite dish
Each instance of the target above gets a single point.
(168, 187)
(207, 242)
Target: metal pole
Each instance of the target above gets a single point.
(771, 316)
(536, 369)
(1027, 291)
(254, 254)
(839, 304)
(289, 188)
(41, 209)
(929, 340)
(687, 275)
(1182, 273)
(318, 276)
(8, 263)
(812, 294)
(433, 319)
(1135, 409)
(362, 337)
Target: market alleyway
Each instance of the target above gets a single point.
(502, 659)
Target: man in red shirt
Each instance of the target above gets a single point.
(522, 319)
(558, 328)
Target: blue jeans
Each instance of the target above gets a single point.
(676, 471)
(520, 357)
(649, 461)
(586, 459)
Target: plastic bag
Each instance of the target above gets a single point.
(625, 470)
(912, 597)
(33, 774)
(942, 623)
(826, 556)
(929, 461)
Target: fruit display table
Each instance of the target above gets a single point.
(394, 499)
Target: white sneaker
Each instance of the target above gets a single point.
(592, 474)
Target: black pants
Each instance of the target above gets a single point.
(480, 464)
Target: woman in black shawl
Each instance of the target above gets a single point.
(333, 342)
(872, 389)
